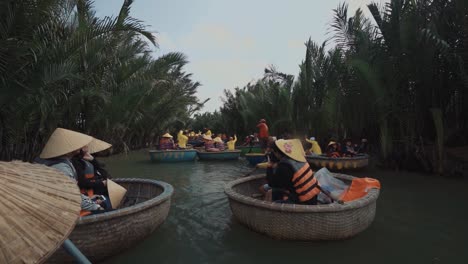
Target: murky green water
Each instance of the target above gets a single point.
(420, 219)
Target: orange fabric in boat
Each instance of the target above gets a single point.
(359, 188)
(84, 213)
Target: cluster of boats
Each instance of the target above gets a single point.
(148, 202)
(254, 156)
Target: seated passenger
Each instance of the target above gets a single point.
(248, 141)
(92, 178)
(315, 149)
(332, 150)
(61, 147)
(348, 150)
(166, 142)
(289, 175)
(232, 143)
(209, 144)
(363, 148)
(219, 144)
(182, 140)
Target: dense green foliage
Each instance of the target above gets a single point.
(60, 65)
(399, 78)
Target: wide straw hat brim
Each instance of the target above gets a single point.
(97, 145)
(38, 211)
(206, 137)
(292, 148)
(167, 135)
(332, 143)
(63, 141)
(116, 193)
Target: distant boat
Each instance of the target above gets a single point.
(177, 155)
(255, 158)
(219, 155)
(337, 164)
(249, 149)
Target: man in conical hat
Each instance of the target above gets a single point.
(61, 147)
(289, 176)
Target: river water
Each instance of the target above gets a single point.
(420, 219)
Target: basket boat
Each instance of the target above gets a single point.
(173, 155)
(219, 155)
(337, 164)
(104, 235)
(255, 158)
(300, 222)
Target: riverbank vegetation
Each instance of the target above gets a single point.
(62, 66)
(398, 77)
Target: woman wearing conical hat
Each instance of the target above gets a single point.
(290, 178)
(209, 144)
(332, 150)
(61, 147)
(92, 178)
(166, 142)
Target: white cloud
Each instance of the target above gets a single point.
(214, 37)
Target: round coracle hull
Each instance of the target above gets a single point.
(104, 235)
(299, 222)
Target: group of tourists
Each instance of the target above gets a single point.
(334, 149)
(216, 144)
(71, 153)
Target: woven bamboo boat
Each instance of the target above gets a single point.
(337, 164)
(173, 155)
(219, 155)
(249, 149)
(255, 158)
(100, 236)
(299, 222)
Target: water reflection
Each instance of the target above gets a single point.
(420, 219)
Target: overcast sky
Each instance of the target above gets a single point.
(229, 43)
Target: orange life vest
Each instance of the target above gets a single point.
(304, 183)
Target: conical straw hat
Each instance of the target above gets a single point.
(292, 148)
(97, 145)
(167, 135)
(64, 141)
(38, 210)
(116, 193)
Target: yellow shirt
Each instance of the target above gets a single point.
(232, 144)
(315, 147)
(182, 140)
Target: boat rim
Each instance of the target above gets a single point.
(321, 157)
(369, 198)
(174, 150)
(255, 154)
(218, 152)
(168, 190)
